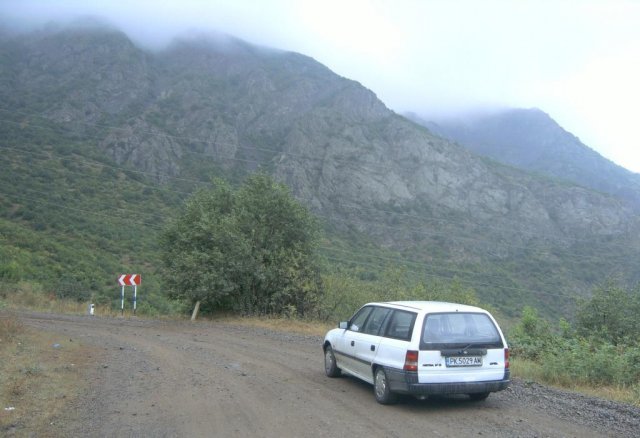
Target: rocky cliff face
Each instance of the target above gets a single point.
(222, 103)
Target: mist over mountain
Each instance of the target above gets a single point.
(531, 140)
(217, 106)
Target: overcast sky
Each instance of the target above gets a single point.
(579, 61)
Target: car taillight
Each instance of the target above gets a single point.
(506, 358)
(411, 361)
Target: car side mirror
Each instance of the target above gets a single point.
(343, 325)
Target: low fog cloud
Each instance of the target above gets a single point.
(577, 61)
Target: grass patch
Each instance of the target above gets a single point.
(10, 328)
(529, 370)
(30, 296)
(40, 374)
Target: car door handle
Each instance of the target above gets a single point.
(353, 343)
(373, 348)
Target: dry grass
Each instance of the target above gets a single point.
(529, 370)
(10, 328)
(40, 373)
(621, 394)
(30, 296)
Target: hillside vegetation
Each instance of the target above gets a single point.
(103, 142)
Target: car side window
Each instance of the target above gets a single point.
(358, 320)
(375, 321)
(401, 325)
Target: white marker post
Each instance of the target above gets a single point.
(135, 293)
(122, 301)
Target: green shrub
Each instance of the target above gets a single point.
(612, 312)
(603, 349)
(532, 336)
(578, 361)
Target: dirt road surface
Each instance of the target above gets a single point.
(207, 379)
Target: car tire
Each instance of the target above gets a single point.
(381, 388)
(479, 396)
(330, 366)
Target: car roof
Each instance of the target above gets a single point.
(430, 306)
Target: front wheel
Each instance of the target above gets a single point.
(330, 367)
(381, 388)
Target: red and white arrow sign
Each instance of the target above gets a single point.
(129, 280)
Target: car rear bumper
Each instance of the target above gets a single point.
(407, 383)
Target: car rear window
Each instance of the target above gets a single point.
(459, 330)
(401, 325)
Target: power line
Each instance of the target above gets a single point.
(417, 264)
(402, 261)
(423, 231)
(91, 212)
(462, 280)
(405, 263)
(110, 208)
(188, 139)
(341, 260)
(357, 208)
(221, 158)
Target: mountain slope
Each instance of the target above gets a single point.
(531, 140)
(389, 191)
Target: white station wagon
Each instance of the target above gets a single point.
(420, 348)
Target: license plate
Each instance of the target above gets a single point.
(463, 361)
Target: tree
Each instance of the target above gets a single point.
(249, 250)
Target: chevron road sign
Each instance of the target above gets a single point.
(129, 280)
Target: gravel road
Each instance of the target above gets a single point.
(183, 379)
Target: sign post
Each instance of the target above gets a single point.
(129, 280)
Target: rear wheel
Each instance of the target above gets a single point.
(381, 388)
(330, 367)
(478, 396)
